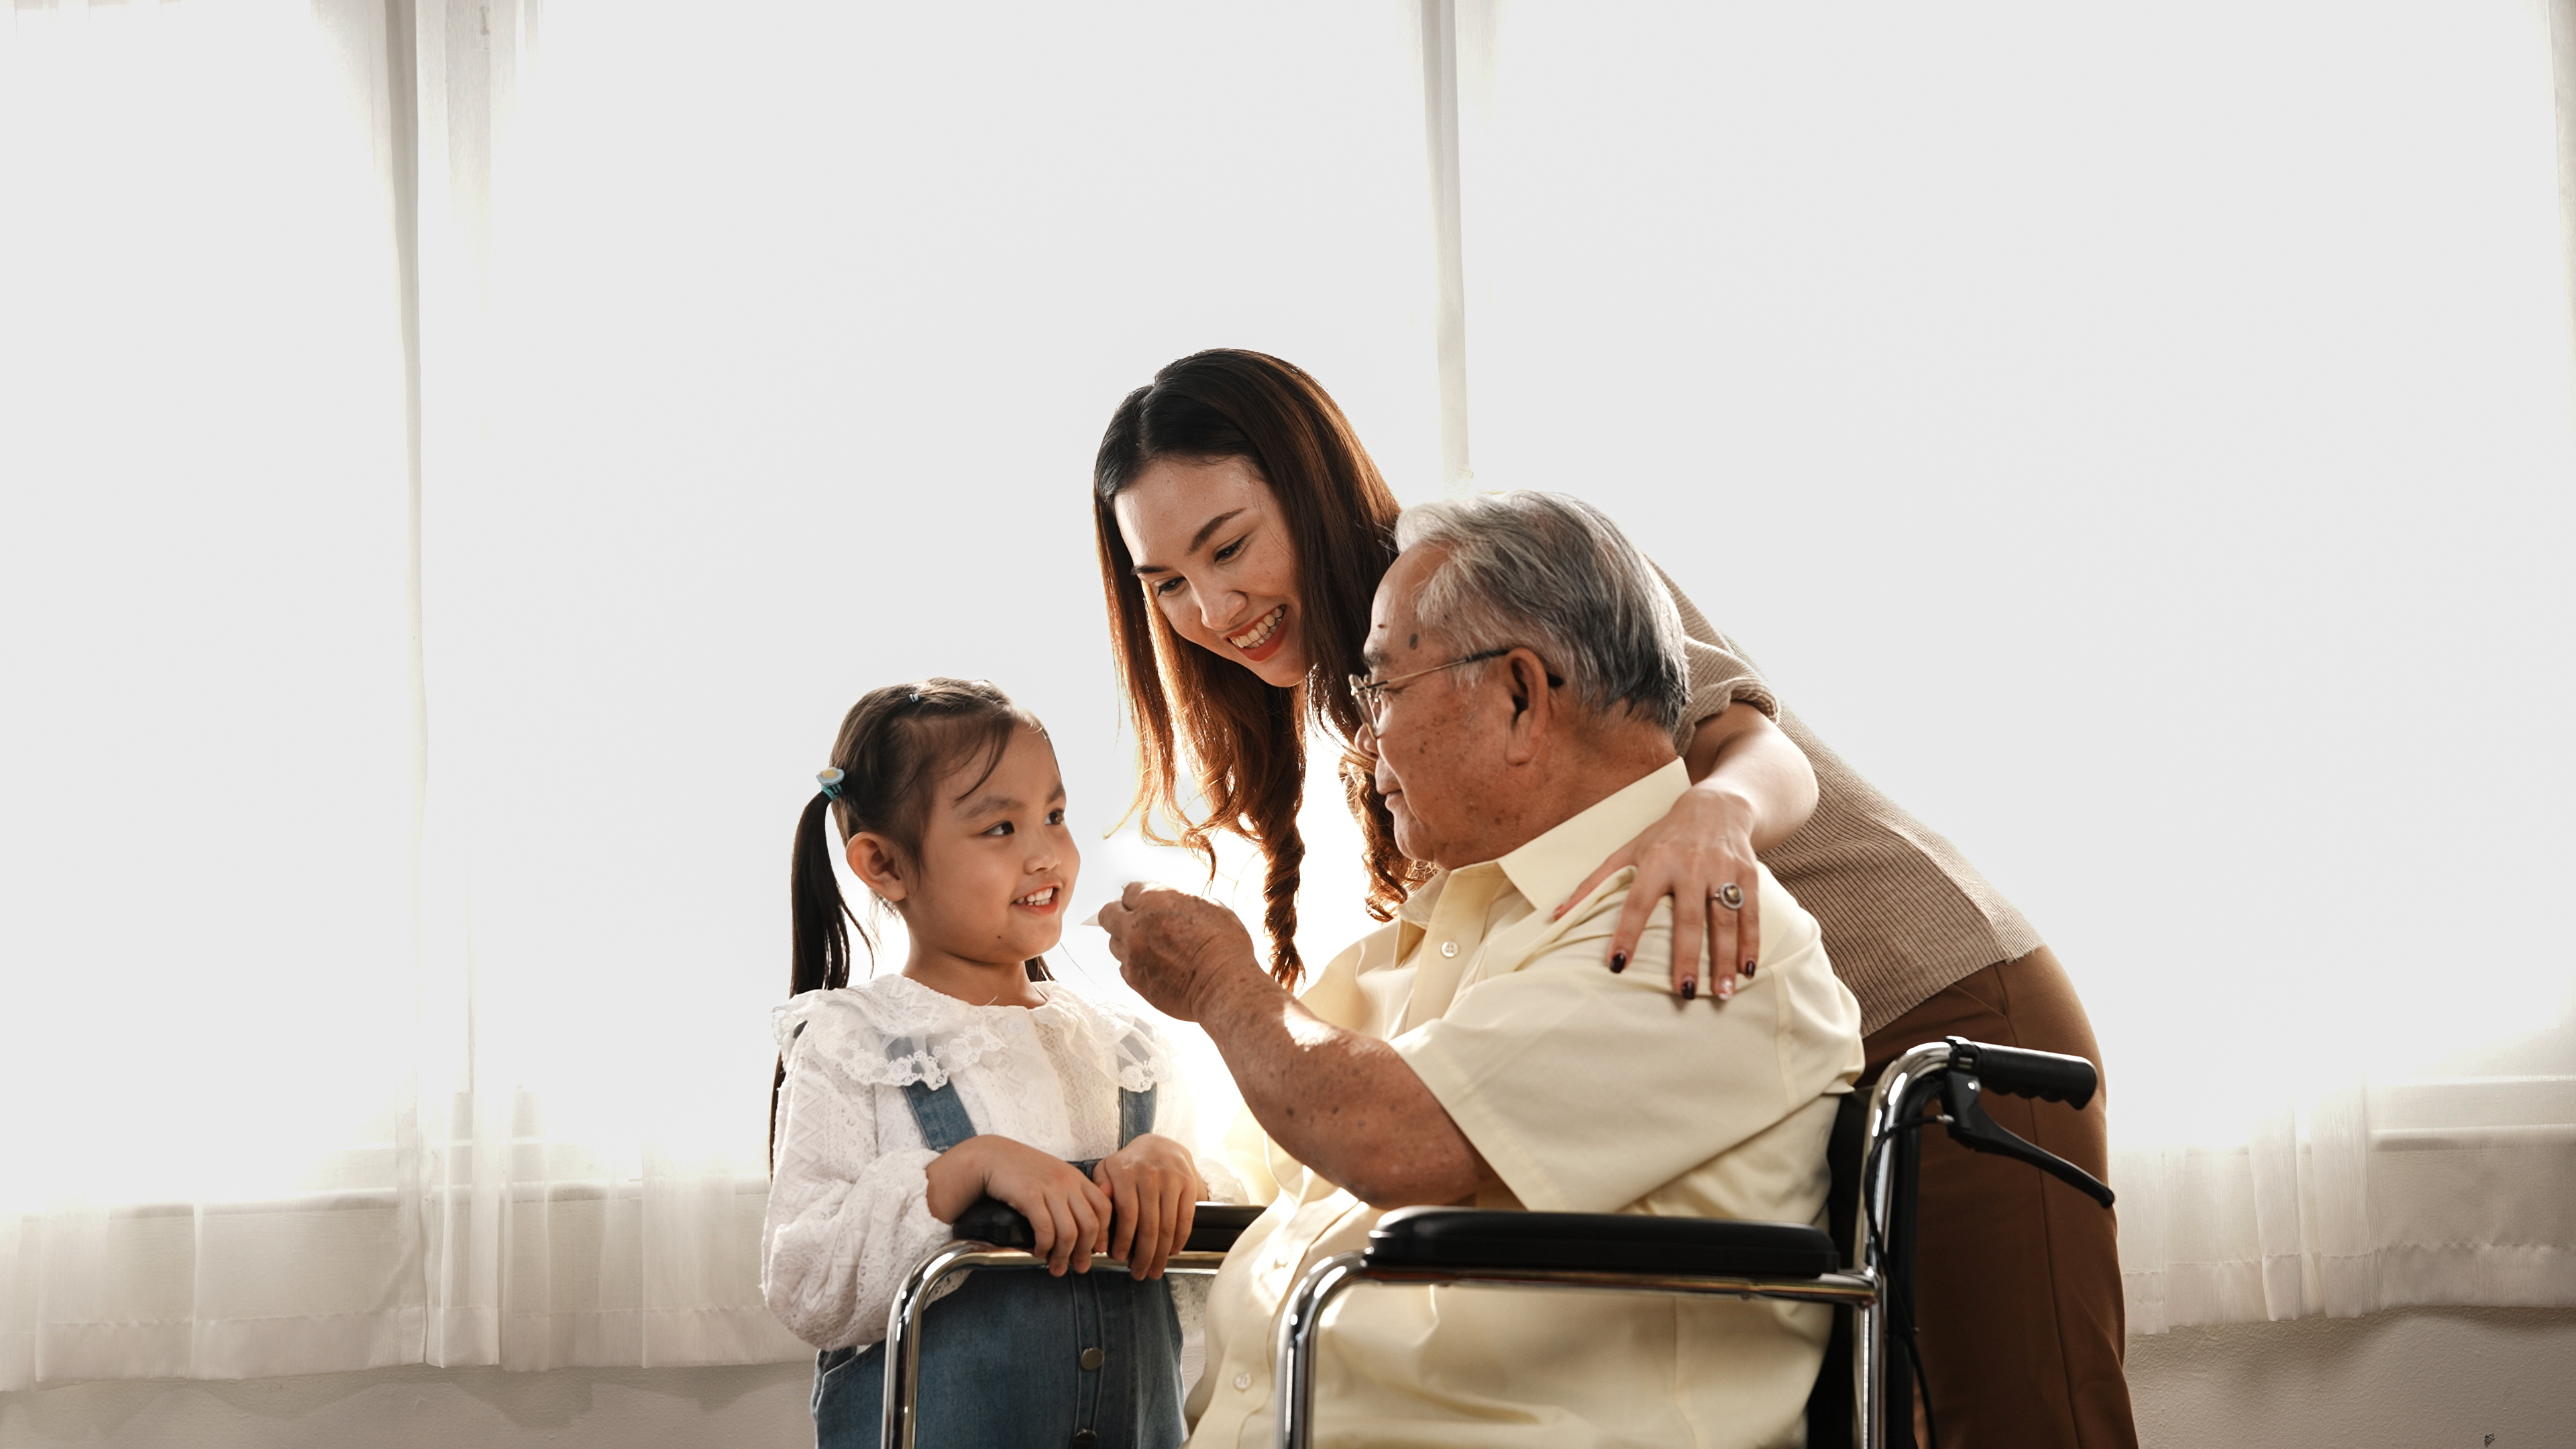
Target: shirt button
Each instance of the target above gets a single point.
(1242, 1382)
(1448, 948)
(1085, 1438)
(1091, 1358)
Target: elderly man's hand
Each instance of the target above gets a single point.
(1172, 946)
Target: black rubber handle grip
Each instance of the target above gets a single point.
(1213, 1225)
(991, 1220)
(2023, 1073)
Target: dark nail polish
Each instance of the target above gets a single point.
(1618, 961)
(1690, 987)
(1749, 968)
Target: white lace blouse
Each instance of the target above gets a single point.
(848, 1199)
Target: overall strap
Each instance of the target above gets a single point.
(938, 1112)
(1135, 1113)
(1135, 1119)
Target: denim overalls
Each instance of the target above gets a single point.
(1015, 1357)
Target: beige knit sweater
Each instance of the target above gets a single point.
(1904, 914)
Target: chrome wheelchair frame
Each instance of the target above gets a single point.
(990, 1235)
(1873, 1157)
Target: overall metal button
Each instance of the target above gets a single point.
(1091, 1358)
(1085, 1438)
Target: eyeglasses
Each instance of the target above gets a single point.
(1371, 693)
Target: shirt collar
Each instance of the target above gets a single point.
(1548, 868)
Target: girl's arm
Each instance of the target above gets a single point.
(848, 1216)
(1068, 1214)
(1154, 1185)
(1752, 788)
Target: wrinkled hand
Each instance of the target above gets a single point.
(1154, 1188)
(1704, 842)
(1171, 945)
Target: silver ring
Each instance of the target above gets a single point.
(1728, 896)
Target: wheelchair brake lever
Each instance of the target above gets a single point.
(1971, 1128)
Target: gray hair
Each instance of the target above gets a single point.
(1553, 574)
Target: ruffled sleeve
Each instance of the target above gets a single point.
(849, 1214)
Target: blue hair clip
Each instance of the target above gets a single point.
(830, 780)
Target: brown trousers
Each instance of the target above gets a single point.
(2017, 1280)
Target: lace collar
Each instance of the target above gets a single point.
(894, 1031)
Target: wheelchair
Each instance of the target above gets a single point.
(1865, 1267)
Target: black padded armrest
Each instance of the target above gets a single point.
(1213, 1226)
(1467, 1238)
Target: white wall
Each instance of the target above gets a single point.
(2479, 1378)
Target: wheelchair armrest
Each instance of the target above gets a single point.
(1213, 1227)
(1467, 1238)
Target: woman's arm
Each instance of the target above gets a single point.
(1752, 788)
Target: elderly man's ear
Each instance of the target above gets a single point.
(1534, 710)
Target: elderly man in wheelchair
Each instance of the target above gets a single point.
(1527, 680)
(1466, 1103)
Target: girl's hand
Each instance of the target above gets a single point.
(1067, 1214)
(1693, 854)
(1153, 1186)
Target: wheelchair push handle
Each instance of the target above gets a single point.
(1213, 1225)
(2019, 1072)
(1976, 1067)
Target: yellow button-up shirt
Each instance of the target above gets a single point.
(1585, 1092)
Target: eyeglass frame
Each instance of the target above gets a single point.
(1370, 694)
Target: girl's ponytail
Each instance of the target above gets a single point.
(822, 920)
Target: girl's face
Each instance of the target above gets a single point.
(996, 869)
(1212, 552)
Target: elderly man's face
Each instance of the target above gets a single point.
(1440, 742)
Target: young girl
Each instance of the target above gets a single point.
(903, 1099)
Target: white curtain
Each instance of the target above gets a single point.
(2140, 439)
(457, 461)
(462, 460)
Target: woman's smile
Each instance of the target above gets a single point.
(1264, 638)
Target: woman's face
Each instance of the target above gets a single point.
(1212, 552)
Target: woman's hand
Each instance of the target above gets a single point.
(1067, 1213)
(1695, 854)
(1153, 1187)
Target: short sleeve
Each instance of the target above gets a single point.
(1719, 674)
(1585, 1090)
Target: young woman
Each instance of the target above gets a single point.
(904, 1099)
(1242, 531)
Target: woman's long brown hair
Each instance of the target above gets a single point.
(1243, 739)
